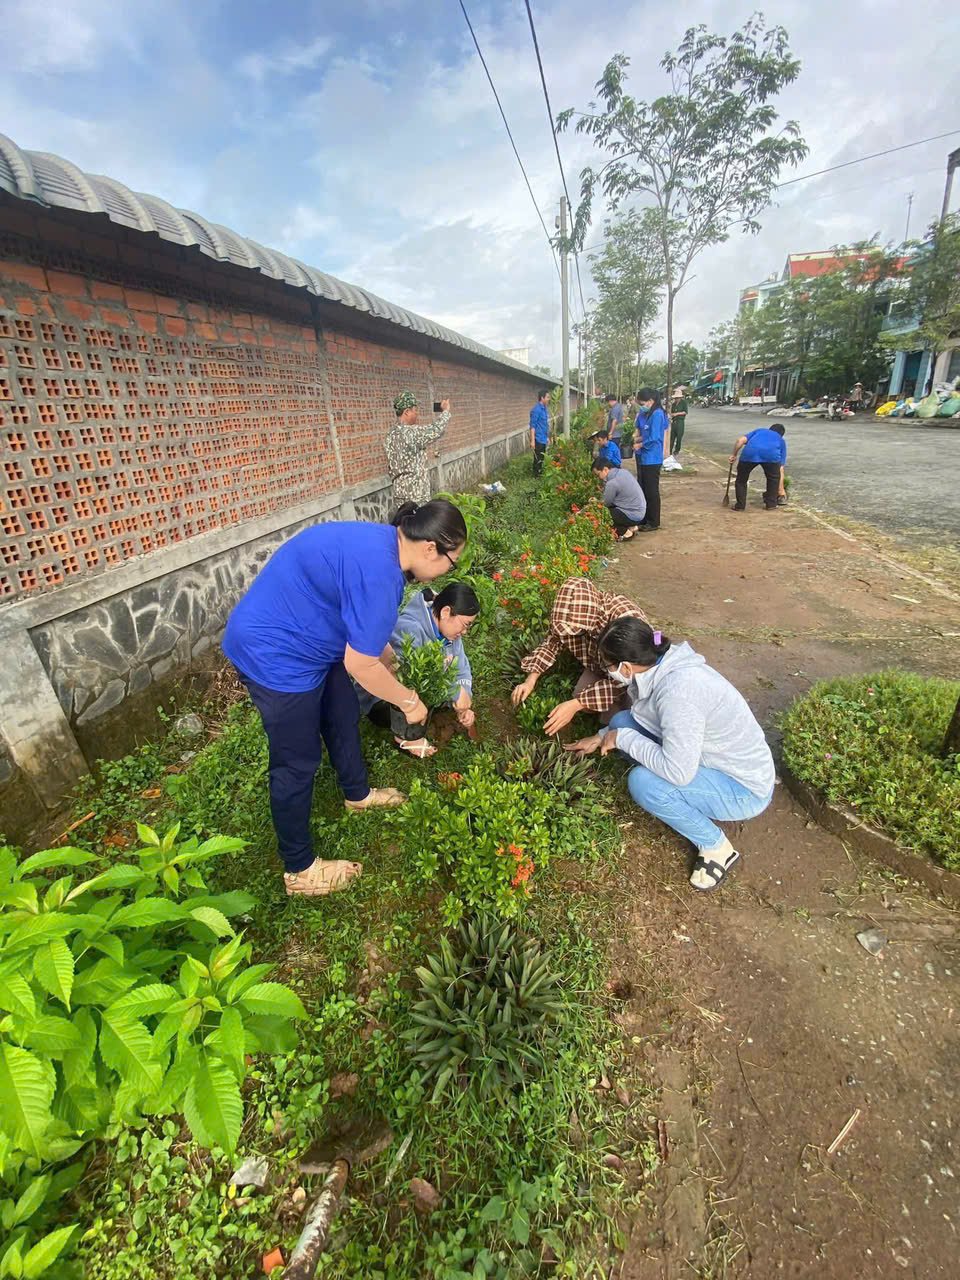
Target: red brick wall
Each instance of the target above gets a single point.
(140, 406)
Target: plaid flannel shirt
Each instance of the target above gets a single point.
(580, 614)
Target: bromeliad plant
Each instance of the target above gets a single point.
(124, 993)
(427, 669)
(484, 1010)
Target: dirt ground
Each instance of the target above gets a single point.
(762, 1020)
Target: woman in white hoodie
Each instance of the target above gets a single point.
(700, 753)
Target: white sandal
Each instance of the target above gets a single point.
(420, 748)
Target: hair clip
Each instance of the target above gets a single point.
(658, 637)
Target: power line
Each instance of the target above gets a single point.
(503, 117)
(556, 145)
(875, 156)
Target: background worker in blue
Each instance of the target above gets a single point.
(539, 430)
(614, 418)
(765, 447)
(319, 612)
(652, 425)
(609, 449)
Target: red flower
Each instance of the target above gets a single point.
(497, 577)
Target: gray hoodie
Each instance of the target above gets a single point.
(701, 720)
(621, 490)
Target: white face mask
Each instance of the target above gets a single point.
(618, 677)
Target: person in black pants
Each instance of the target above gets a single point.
(765, 447)
(652, 425)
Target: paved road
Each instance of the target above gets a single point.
(902, 479)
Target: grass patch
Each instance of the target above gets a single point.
(873, 743)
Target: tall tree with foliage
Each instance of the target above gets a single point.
(705, 156)
(933, 293)
(628, 274)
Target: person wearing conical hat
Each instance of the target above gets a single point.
(406, 447)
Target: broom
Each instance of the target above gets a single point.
(726, 496)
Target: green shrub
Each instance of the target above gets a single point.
(119, 1001)
(429, 670)
(872, 742)
(484, 1005)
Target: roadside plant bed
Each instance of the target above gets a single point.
(872, 743)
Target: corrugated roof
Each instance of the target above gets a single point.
(49, 180)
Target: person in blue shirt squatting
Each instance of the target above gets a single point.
(622, 495)
(609, 448)
(699, 754)
(320, 611)
(765, 447)
(446, 617)
(652, 425)
(614, 418)
(539, 430)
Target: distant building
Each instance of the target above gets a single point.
(520, 354)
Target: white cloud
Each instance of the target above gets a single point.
(285, 60)
(59, 36)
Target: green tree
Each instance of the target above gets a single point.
(933, 292)
(628, 274)
(686, 361)
(706, 155)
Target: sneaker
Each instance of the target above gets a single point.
(320, 878)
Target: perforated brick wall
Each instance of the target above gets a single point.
(144, 402)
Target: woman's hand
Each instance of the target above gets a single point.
(523, 691)
(467, 717)
(586, 746)
(463, 708)
(561, 715)
(609, 741)
(417, 714)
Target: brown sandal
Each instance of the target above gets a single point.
(376, 798)
(321, 878)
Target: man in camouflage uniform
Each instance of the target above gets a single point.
(406, 447)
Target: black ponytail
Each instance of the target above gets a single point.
(632, 640)
(461, 599)
(438, 521)
(648, 393)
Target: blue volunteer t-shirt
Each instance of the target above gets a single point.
(611, 451)
(330, 586)
(764, 445)
(540, 423)
(651, 426)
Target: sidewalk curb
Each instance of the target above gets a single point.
(845, 823)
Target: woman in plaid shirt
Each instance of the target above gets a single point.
(580, 614)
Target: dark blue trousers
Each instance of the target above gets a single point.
(298, 725)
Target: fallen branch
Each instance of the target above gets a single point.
(316, 1227)
(73, 825)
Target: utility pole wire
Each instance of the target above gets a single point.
(503, 117)
(875, 156)
(556, 145)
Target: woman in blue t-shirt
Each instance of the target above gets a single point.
(319, 612)
(652, 424)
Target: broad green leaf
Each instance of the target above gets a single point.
(11, 1257)
(213, 1108)
(27, 1086)
(52, 1035)
(224, 960)
(16, 996)
(31, 1200)
(148, 911)
(30, 932)
(175, 1083)
(230, 1042)
(495, 1210)
(77, 1062)
(248, 978)
(46, 1251)
(269, 1034)
(167, 1027)
(520, 1225)
(148, 835)
(216, 845)
(110, 945)
(122, 876)
(272, 997)
(235, 903)
(154, 997)
(53, 968)
(65, 857)
(215, 920)
(101, 982)
(19, 895)
(8, 863)
(167, 843)
(127, 1047)
(171, 878)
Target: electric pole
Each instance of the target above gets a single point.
(953, 160)
(564, 313)
(906, 234)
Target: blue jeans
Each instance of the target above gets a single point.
(688, 809)
(297, 726)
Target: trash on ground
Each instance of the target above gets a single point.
(872, 940)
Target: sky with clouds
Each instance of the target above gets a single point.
(362, 137)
